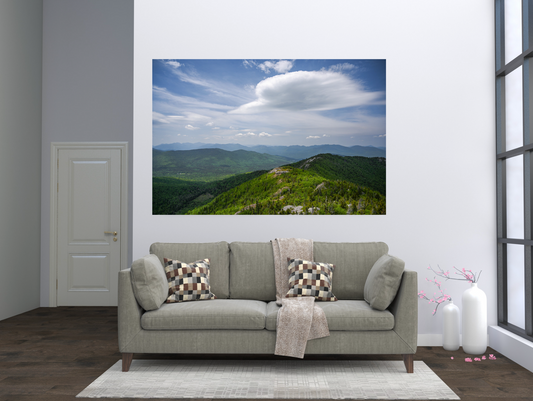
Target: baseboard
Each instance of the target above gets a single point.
(435, 340)
(429, 340)
(514, 347)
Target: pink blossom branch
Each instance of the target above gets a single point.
(466, 275)
(435, 299)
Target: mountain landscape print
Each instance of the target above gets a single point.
(269, 137)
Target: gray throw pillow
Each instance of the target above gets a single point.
(149, 282)
(383, 282)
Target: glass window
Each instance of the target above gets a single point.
(513, 29)
(516, 300)
(514, 129)
(514, 172)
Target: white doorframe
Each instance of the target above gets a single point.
(56, 147)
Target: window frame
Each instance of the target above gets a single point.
(525, 61)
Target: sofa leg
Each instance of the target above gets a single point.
(408, 360)
(126, 361)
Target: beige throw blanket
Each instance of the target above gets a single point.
(299, 319)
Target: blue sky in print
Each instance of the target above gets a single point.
(269, 102)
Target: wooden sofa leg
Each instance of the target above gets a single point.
(408, 360)
(126, 361)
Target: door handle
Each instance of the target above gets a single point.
(112, 232)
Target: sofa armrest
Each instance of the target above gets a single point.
(129, 311)
(405, 309)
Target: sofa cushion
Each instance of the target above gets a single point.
(352, 261)
(312, 279)
(344, 315)
(228, 314)
(252, 271)
(188, 281)
(149, 282)
(383, 281)
(216, 252)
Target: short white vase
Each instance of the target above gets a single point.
(450, 338)
(474, 320)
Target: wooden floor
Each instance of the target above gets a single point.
(54, 353)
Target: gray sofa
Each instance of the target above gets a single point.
(242, 318)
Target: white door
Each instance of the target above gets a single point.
(88, 226)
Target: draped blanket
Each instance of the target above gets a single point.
(299, 319)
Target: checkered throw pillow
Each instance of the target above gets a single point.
(187, 281)
(310, 279)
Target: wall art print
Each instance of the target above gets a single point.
(269, 137)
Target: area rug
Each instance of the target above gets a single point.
(300, 379)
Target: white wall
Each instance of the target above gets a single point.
(87, 88)
(440, 122)
(20, 154)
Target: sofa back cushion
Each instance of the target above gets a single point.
(252, 273)
(353, 261)
(216, 252)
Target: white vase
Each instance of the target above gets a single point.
(474, 321)
(450, 338)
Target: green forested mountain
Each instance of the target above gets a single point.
(211, 164)
(364, 171)
(323, 184)
(290, 190)
(175, 196)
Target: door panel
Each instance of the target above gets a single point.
(89, 196)
(89, 191)
(89, 273)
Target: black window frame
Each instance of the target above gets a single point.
(525, 61)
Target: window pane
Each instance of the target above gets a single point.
(515, 196)
(514, 129)
(513, 29)
(515, 285)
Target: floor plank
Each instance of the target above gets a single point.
(52, 354)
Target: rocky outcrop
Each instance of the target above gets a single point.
(252, 206)
(277, 171)
(293, 209)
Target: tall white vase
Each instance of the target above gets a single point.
(474, 320)
(450, 338)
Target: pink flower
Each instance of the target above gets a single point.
(492, 357)
(483, 357)
(477, 359)
(468, 359)
(452, 357)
